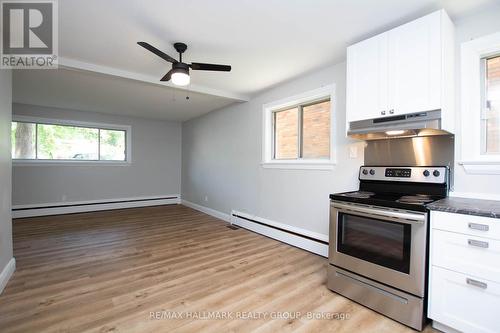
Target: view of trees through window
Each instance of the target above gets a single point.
(23, 140)
(65, 142)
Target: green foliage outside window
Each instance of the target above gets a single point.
(63, 142)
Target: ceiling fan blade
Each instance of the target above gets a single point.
(167, 76)
(159, 53)
(197, 66)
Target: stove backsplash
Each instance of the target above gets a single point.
(415, 151)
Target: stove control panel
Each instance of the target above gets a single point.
(392, 172)
(436, 175)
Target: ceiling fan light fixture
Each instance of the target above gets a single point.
(179, 74)
(180, 77)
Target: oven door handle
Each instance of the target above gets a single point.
(390, 215)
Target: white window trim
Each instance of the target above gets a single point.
(471, 80)
(267, 133)
(49, 121)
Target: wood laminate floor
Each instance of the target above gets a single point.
(168, 268)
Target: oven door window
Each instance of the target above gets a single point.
(380, 242)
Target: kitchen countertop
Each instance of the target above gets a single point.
(479, 207)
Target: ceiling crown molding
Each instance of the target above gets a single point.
(71, 64)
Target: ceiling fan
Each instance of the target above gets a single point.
(180, 70)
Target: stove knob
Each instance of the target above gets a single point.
(372, 172)
(426, 173)
(365, 172)
(436, 173)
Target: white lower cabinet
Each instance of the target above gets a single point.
(464, 253)
(464, 276)
(464, 302)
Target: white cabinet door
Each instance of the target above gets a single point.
(466, 224)
(466, 254)
(367, 79)
(414, 66)
(463, 302)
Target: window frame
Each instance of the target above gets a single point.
(268, 145)
(76, 123)
(473, 55)
(484, 102)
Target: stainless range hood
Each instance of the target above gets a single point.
(408, 125)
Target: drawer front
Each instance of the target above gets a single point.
(464, 302)
(391, 302)
(473, 255)
(466, 224)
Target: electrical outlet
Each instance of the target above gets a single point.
(206, 198)
(353, 151)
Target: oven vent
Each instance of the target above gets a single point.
(409, 125)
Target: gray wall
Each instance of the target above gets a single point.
(5, 167)
(472, 27)
(155, 167)
(222, 155)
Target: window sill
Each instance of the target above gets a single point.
(481, 167)
(299, 165)
(16, 163)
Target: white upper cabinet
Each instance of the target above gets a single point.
(414, 62)
(367, 69)
(405, 70)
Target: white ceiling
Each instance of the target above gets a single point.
(78, 90)
(265, 41)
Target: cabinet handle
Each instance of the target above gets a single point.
(391, 111)
(476, 283)
(477, 226)
(382, 113)
(473, 242)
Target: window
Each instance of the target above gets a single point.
(316, 130)
(303, 132)
(480, 105)
(59, 142)
(286, 134)
(298, 131)
(490, 117)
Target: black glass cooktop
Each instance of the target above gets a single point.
(394, 200)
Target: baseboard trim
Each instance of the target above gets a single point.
(7, 273)
(304, 239)
(206, 210)
(22, 211)
(443, 328)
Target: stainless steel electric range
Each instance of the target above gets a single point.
(378, 239)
